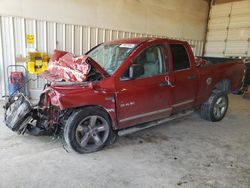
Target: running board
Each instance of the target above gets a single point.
(152, 124)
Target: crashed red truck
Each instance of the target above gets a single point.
(123, 86)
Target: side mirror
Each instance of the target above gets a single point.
(135, 71)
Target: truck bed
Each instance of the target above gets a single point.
(218, 60)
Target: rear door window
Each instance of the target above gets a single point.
(180, 57)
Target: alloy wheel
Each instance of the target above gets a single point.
(220, 107)
(92, 132)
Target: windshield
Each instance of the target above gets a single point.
(111, 56)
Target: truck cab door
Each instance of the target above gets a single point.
(185, 77)
(146, 96)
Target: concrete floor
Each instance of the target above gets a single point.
(185, 153)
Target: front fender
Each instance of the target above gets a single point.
(69, 97)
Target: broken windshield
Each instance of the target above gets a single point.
(111, 56)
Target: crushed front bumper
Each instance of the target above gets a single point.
(18, 113)
(38, 120)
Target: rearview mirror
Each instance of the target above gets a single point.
(135, 71)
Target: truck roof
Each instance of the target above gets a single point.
(140, 40)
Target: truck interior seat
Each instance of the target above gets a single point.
(151, 66)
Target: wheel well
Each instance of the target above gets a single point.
(223, 85)
(93, 106)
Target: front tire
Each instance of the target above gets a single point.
(88, 130)
(216, 107)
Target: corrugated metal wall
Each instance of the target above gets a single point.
(49, 36)
(229, 30)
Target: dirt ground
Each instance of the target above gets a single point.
(189, 152)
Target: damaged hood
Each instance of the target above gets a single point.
(65, 66)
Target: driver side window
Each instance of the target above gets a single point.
(150, 61)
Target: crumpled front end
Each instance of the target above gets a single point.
(21, 116)
(68, 76)
(18, 112)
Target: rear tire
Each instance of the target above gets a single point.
(216, 107)
(88, 130)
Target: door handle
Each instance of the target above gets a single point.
(192, 77)
(166, 82)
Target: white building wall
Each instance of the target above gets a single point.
(78, 25)
(175, 18)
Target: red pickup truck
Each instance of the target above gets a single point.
(132, 84)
